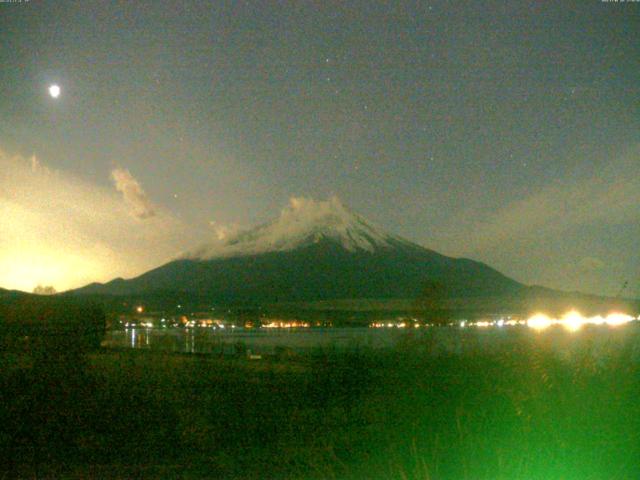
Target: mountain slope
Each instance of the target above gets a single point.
(314, 251)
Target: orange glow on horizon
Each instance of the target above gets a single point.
(24, 269)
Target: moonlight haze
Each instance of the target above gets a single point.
(504, 132)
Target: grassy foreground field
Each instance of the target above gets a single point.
(523, 412)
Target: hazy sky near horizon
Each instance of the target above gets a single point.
(507, 132)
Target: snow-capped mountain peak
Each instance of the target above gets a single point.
(304, 221)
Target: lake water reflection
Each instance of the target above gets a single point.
(598, 341)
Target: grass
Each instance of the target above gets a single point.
(523, 411)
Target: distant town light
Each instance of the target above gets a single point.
(618, 319)
(572, 321)
(539, 322)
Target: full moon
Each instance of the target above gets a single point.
(54, 91)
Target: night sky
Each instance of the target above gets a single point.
(503, 131)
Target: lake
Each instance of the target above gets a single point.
(594, 341)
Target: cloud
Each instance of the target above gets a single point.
(609, 198)
(556, 235)
(302, 220)
(58, 229)
(35, 164)
(224, 231)
(133, 194)
(590, 263)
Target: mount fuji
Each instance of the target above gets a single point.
(314, 251)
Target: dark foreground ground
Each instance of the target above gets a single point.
(518, 413)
